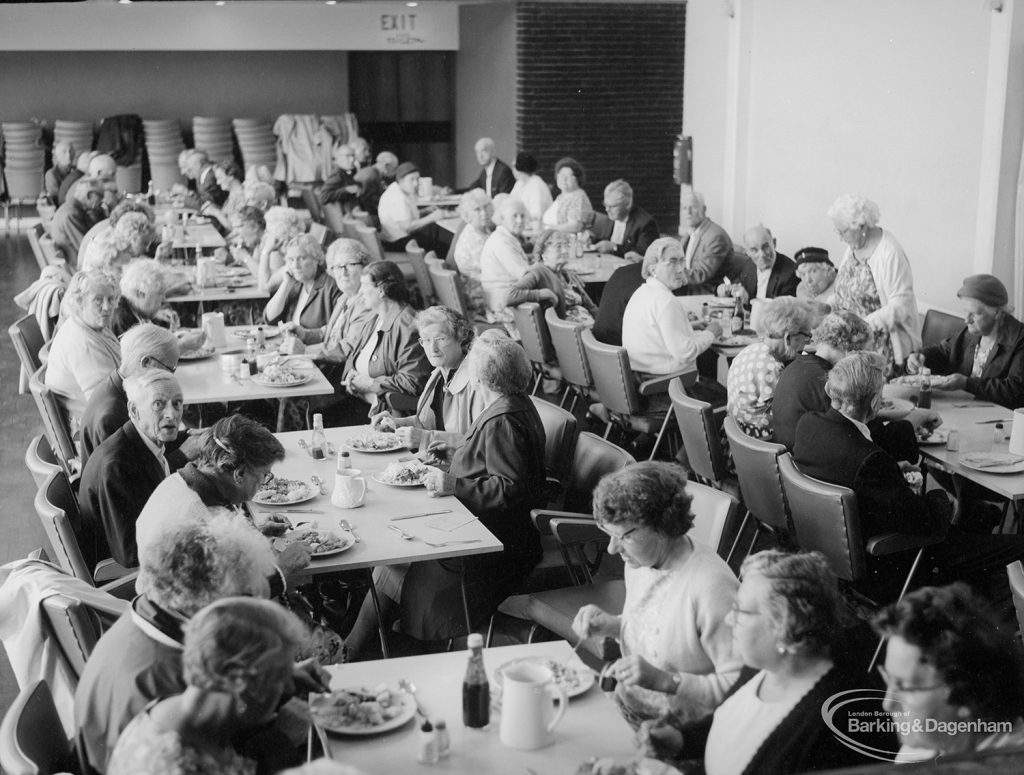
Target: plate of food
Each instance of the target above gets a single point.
(575, 677)
(993, 462)
(284, 492)
(932, 437)
(908, 380)
(578, 267)
(277, 377)
(408, 474)
(737, 340)
(720, 301)
(358, 710)
(895, 408)
(321, 543)
(269, 332)
(240, 282)
(374, 442)
(205, 351)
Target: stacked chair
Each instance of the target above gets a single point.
(213, 135)
(24, 161)
(163, 145)
(258, 144)
(78, 133)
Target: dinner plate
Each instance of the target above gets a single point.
(895, 408)
(406, 711)
(240, 282)
(722, 302)
(347, 540)
(377, 479)
(977, 461)
(740, 340)
(269, 332)
(907, 380)
(575, 677)
(361, 443)
(300, 379)
(310, 493)
(197, 355)
(937, 437)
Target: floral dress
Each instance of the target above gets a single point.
(569, 206)
(752, 379)
(855, 291)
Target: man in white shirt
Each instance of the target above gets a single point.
(627, 230)
(496, 177)
(767, 274)
(400, 219)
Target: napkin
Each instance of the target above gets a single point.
(991, 459)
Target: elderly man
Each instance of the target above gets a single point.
(139, 659)
(75, 217)
(374, 179)
(817, 275)
(126, 468)
(102, 168)
(400, 219)
(837, 446)
(341, 187)
(199, 169)
(986, 357)
(63, 164)
(145, 346)
(495, 175)
(766, 274)
(707, 248)
(627, 230)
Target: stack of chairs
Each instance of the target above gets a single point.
(24, 161)
(257, 143)
(213, 135)
(80, 134)
(163, 145)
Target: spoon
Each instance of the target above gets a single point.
(402, 533)
(347, 527)
(319, 483)
(303, 444)
(410, 688)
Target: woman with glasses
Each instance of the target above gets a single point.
(84, 350)
(784, 622)
(951, 665)
(449, 402)
(784, 325)
(676, 644)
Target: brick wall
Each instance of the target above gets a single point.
(603, 83)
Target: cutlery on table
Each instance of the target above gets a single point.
(292, 511)
(318, 482)
(410, 688)
(402, 533)
(973, 406)
(422, 514)
(440, 544)
(303, 444)
(989, 422)
(347, 527)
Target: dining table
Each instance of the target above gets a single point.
(591, 727)
(388, 511)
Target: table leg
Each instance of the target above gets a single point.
(380, 617)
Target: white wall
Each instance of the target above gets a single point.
(793, 102)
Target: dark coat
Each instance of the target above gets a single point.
(781, 282)
(641, 231)
(712, 259)
(116, 483)
(499, 476)
(1002, 378)
(333, 189)
(319, 306)
(208, 189)
(502, 180)
(398, 363)
(105, 412)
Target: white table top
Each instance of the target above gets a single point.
(378, 545)
(197, 235)
(204, 382)
(592, 726)
(595, 267)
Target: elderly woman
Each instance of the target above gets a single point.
(237, 660)
(817, 275)
(283, 224)
(63, 163)
(784, 621)
(801, 385)
(503, 260)
(676, 644)
(476, 210)
(874, 279)
(399, 213)
(785, 326)
(386, 363)
(229, 177)
(569, 210)
(249, 226)
(138, 659)
(308, 294)
(986, 357)
(449, 402)
(530, 188)
(498, 474)
(129, 239)
(84, 350)
(550, 284)
(953, 674)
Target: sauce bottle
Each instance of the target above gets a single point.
(924, 393)
(476, 692)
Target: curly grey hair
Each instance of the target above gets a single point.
(501, 365)
(854, 210)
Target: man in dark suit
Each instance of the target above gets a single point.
(766, 273)
(707, 248)
(837, 447)
(627, 230)
(126, 468)
(199, 169)
(495, 176)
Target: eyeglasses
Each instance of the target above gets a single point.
(267, 478)
(627, 536)
(346, 267)
(161, 364)
(440, 341)
(896, 685)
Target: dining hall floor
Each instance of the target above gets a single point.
(19, 422)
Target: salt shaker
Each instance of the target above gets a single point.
(427, 751)
(953, 440)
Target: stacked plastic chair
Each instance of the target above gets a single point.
(213, 135)
(24, 161)
(163, 145)
(78, 133)
(257, 142)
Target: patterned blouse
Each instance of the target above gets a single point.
(752, 378)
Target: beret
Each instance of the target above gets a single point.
(405, 168)
(986, 288)
(812, 256)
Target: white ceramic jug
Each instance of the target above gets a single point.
(213, 327)
(349, 489)
(527, 713)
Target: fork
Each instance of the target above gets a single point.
(410, 687)
(347, 527)
(440, 544)
(319, 483)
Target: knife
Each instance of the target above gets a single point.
(421, 514)
(989, 422)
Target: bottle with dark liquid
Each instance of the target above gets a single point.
(476, 692)
(737, 316)
(924, 393)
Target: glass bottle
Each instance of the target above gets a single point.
(924, 393)
(318, 442)
(250, 355)
(476, 692)
(737, 316)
